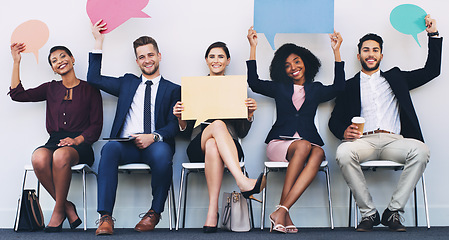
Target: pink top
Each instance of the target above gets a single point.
(277, 149)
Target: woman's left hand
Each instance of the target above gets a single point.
(67, 142)
(251, 104)
(336, 40)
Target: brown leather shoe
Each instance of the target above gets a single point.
(148, 222)
(105, 225)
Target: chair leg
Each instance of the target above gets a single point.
(326, 172)
(416, 206)
(264, 200)
(185, 201)
(170, 208)
(84, 200)
(173, 201)
(16, 225)
(181, 186)
(250, 204)
(350, 208)
(426, 206)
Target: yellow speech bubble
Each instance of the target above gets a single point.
(34, 34)
(218, 97)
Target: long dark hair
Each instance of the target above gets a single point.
(277, 68)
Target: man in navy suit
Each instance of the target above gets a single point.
(391, 130)
(143, 112)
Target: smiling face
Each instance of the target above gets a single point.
(370, 56)
(295, 69)
(148, 60)
(61, 62)
(217, 61)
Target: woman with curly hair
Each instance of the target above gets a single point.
(294, 137)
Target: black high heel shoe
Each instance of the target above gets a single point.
(260, 185)
(49, 229)
(78, 221)
(210, 229)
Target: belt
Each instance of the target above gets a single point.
(377, 131)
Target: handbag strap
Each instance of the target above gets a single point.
(34, 200)
(227, 211)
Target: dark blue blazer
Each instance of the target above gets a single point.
(289, 120)
(125, 88)
(348, 105)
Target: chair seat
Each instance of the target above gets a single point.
(381, 163)
(76, 168)
(201, 166)
(285, 164)
(134, 167)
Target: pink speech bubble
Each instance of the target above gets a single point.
(115, 12)
(34, 34)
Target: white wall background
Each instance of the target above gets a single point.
(183, 30)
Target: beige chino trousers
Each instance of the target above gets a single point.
(382, 146)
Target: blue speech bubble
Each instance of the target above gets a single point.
(408, 19)
(293, 16)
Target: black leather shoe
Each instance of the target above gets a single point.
(210, 229)
(260, 185)
(393, 220)
(367, 223)
(49, 229)
(77, 222)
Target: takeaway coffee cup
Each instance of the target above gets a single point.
(360, 122)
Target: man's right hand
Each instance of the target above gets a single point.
(352, 132)
(97, 28)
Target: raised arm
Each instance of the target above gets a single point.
(336, 41)
(16, 49)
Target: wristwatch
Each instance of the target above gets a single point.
(156, 137)
(433, 34)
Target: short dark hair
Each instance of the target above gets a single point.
(145, 40)
(277, 68)
(56, 48)
(370, 36)
(221, 45)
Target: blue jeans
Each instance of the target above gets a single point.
(158, 156)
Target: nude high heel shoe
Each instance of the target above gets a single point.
(278, 227)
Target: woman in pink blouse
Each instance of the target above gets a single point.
(74, 119)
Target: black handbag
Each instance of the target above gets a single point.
(29, 215)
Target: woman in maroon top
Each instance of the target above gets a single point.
(74, 121)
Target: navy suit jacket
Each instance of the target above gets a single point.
(125, 88)
(348, 105)
(289, 120)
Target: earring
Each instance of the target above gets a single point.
(73, 64)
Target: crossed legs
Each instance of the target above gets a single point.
(220, 150)
(53, 169)
(298, 177)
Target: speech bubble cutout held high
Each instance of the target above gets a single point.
(115, 12)
(293, 16)
(217, 97)
(34, 34)
(408, 19)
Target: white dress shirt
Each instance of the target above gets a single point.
(134, 118)
(380, 108)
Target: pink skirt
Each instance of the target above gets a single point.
(277, 149)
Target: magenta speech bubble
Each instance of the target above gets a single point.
(115, 12)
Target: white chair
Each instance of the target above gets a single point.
(79, 168)
(144, 168)
(382, 164)
(282, 166)
(188, 168)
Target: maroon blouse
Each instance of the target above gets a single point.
(84, 113)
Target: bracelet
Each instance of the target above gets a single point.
(433, 34)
